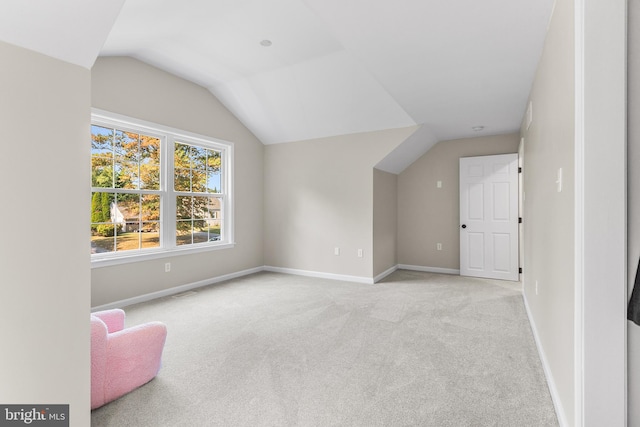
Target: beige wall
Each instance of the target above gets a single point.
(385, 221)
(549, 215)
(129, 87)
(633, 202)
(428, 215)
(44, 296)
(319, 196)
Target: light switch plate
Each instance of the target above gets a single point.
(559, 181)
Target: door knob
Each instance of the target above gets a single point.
(464, 225)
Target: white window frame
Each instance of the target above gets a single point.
(168, 136)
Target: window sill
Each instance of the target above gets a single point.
(108, 261)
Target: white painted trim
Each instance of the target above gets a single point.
(429, 269)
(578, 222)
(600, 155)
(555, 397)
(146, 255)
(331, 276)
(384, 274)
(176, 290)
(134, 122)
(168, 137)
(211, 281)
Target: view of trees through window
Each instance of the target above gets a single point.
(125, 202)
(129, 195)
(196, 170)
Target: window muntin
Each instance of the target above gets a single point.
(198, 219)
(197, 177)
(121, 159)
(145, 201)
(133, 222)
(197, 169)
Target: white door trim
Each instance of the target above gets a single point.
(600, 213)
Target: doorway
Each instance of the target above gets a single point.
(489, 217)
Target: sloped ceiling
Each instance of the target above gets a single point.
(71, 30)
(334, 67)
(337, 67)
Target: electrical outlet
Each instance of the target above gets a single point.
(438, 184)
(167, 267)
(359, 253)
(439, 246)
(336, 251)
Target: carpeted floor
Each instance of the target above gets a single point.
(417, 349)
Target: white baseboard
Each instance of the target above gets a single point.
(562, 419)
(206, 282)
(346, 278)
(429, 269)
(319, 274)
(176, 290)
(384, 274)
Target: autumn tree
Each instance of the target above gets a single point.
(130, 161)
(197, 170)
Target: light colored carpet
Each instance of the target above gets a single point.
(417, 349)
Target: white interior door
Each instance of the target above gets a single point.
(489, 216)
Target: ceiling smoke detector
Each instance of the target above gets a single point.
(266, 43)
(477, 128)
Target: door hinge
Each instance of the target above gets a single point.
(520, 270)
(520, 220)
(519, 170)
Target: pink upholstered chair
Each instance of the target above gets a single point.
(122, 359)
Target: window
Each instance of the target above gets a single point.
(156, 189)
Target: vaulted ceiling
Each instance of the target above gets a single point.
(332, 67)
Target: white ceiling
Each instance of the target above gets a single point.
(70, 30)
(335, 66)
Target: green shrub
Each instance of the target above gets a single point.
(105, 230)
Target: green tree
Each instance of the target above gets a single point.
(96, 209)
(101, 214)
(105, 203)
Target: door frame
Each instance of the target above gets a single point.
(521, 199)
(489, 226)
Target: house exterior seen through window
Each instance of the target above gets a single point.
(156, 189)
